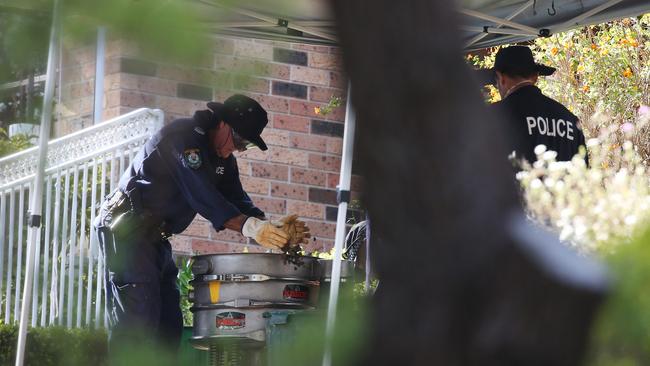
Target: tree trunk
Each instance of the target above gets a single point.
(463, 280)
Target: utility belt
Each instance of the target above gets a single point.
(125, 218)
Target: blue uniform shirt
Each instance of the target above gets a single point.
(177, 175)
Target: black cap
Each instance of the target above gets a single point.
(245, 116)
(518, 59)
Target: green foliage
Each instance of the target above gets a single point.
(603, 69)
(602, 66)
(58, 346)
(55, 346)
(303, 343)
(183, 281)
(168, 30)
(142, 354)
(23, 44)
(14, 144)
(332, 104)
(485, 61)
(622, 334)
(359, 289)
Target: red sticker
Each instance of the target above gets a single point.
(231, 320)
(295, 292)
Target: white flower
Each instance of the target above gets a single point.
(539, 149)
(566, 233)
(549, 155)
(595, 208)
(549, 182)
(521, 175)
(627, 145)
(630, 220)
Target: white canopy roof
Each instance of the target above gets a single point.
(485, 23)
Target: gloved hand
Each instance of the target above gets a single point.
(265, 233)
(297, 229)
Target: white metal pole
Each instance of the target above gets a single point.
(3, 227)
(475, 14)
(99, 75)
(64, 245)
(495, 30)
(10, 259)
(36, 199)
(576, 21)
(271, 20)
(82, 243)
(344, 199)
(73, 246)
(19, 252)
(54, 287)
(92, 244)
(512, 16)
(46, 254)
(366, 285)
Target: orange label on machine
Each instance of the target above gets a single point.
(214, 291)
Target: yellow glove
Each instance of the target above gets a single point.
(265, 233)
(296, 229)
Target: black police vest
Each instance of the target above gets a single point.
(532, 119)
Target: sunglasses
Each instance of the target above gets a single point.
(241, 144)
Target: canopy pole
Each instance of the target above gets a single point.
(495, 30)
(35, 207)
(576, 21)
(272, 20)
(100, 61)
(472, 13)
(510, 17)
(344, 199)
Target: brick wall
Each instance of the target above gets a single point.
(299, 172)
(74, 107)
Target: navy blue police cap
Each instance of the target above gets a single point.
(245, 115)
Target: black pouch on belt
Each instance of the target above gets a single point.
(127, 220)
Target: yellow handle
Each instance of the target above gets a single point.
(214, 291)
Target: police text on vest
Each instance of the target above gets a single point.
(553, 127)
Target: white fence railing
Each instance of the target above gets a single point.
(81, 169)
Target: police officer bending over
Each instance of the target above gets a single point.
(185, 168)
(532, 117)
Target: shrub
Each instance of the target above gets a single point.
(183, 281)
(621, 336)
(55, 346)
(10, 145)
(602, 69)
(592, 208)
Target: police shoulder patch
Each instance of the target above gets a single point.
(192, 158)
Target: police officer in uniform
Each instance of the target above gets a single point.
(185, 168)
(531, 117)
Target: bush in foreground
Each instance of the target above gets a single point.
(55, 346)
